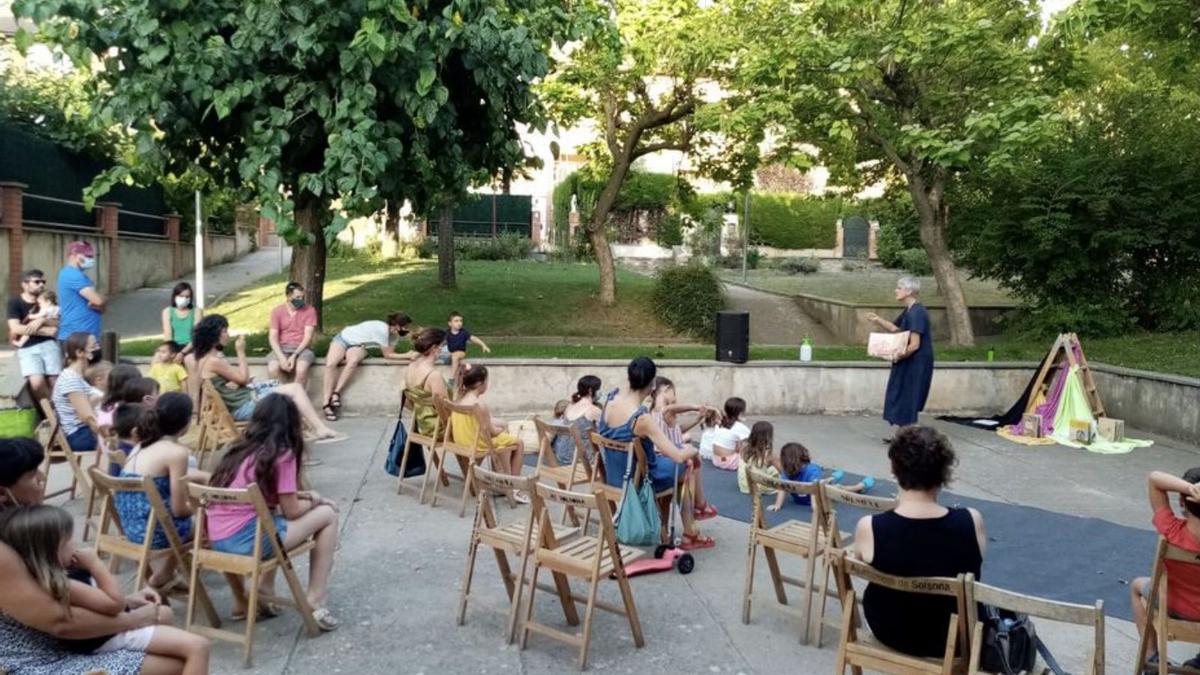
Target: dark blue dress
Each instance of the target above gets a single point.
(908, 384)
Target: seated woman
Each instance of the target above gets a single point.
(161, 457)
(37, 633)
(508, 448)
(919, 538)
(581, 413)
(234, 385)
(270, 454)
(423, 382)
(72, 395)
(623, 419)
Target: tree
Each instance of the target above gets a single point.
(639, 82)
(325, 110)
(927, 90)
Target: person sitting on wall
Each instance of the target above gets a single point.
(350, 346)
(293, 325)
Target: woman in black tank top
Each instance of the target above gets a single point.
(920, 538)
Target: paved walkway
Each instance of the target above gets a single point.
(399, 568)
(139, 313)
(775, 319)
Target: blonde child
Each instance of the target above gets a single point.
(165, 368)
(758, 454)
(666, 411)
(722, 442)
(41, 536)
(457, 339)
(509, 448)
(798, 466)
(97, 376)
(47, 309)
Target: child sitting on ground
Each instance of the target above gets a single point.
(165, 368)
(47, 309)
(722, 443)
(508, 448)
(798, 466)
(1183, 593)
(456, 344)
(41, 536)
(758, 454)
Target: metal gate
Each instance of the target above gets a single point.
(856, 235)
(485, 215)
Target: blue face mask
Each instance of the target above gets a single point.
(87, 263)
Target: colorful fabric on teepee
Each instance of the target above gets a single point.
(1075, 406)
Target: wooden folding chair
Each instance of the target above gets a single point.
(797, 537)
(58, 450)
(1167, 628)
(217, 427)
(1052, 610)
(832, 497)
(613, 494)
(864, 652)
(578, 472)
(516, 538)
(111, 539)
(591, 558)
(469, 452)
(428, 444)
(253, 565)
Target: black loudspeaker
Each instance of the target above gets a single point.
(733, 336)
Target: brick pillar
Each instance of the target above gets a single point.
(173, 239)
(106, 222)
(12, 220)
(840, 248)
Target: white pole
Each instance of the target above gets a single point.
(199, 255)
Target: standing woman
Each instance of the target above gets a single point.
(912, 371)
(181, 317)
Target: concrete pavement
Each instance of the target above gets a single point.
(398, 571)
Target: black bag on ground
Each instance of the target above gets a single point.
(1011, 644)
(416, 456)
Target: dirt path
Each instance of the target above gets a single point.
(775, 319)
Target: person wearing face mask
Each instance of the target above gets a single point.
(180, 317)
(81, 303)
(39, 356)
(293, 325)
(72, 397)
(350, 345)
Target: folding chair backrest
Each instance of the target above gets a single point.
(548, 432)
(221, 416)
(500, 483)
(951, 587)
(1082, 615)
(601, 444)
(409, 403)
(58, 438)
(204, 496)
(483, 437)
(832, 496)
(761, 482)
(107, 488)
(581, 500)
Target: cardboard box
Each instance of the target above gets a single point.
(1111, 429)
(1031, 425)
(1081, 431)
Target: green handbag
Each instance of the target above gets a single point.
(638, 522)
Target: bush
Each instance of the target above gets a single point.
(687, 298)
(889, 246)
(794, 221)
(733, 261)
(915, 261)
(427, 248)
(800, 265)
(503, 247)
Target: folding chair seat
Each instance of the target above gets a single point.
(578, 472)
(58, 451)
(217, 429)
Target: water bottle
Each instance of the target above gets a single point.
(991, 354)
(806, 350)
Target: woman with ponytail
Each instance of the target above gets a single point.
(160, 456)
(582, 413)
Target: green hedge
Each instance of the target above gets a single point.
(793, 221)
(688, 297)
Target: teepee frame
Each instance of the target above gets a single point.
(1061, 351)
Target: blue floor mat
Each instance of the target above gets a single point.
(1030, 550)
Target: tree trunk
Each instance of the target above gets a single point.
(932, 216)
(598, 230)
(308, 260)
(446, 274)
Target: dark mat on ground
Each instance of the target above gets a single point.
(1030, 550)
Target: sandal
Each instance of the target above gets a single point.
(325, 619)
(266, 610)
(691, 542)
(330, 411)
(335, 399)
(705, 512)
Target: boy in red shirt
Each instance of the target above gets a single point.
(1183, 591)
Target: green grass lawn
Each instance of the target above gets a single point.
(867, 286)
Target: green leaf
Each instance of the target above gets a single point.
(157, 53)
(425, 80)
(23, 40)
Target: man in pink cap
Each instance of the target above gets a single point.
(78, 298)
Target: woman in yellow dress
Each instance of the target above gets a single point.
(423, 382)
(508, 449)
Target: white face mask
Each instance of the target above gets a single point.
(182, 301)
(87, 263)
